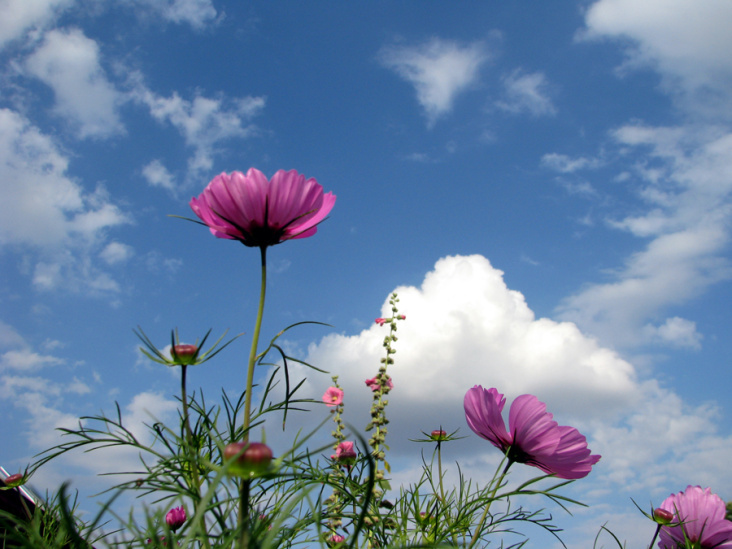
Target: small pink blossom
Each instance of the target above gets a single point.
(374, 384)
(533, 437)
(336, 538)
(345, 452)
(175, 518)
(380, 321)
(333, 396)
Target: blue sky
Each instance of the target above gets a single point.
(547, 185)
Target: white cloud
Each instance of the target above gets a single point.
(21, 15)
(116, 252)
(196, 13)
(678, 332)
(68, 62)
(688, 204)
(203, 123)
(47, 213)
(26, 360)
(526, 93)
(687, 41)
(566, 164)
(438, 69)
(158, 175)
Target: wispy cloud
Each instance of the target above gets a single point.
(526, 93)
(439, 70)
(203, 122)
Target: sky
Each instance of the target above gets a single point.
(547, 186)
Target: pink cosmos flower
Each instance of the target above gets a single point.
(345, 452)
(534, 438)
(260, 212)
(702, 514)
(175, 518)
(374, 384)
(333, 396)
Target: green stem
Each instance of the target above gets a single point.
(488, 506)
(192, 453)
(245, 484)
(658, 529)
(255, 344)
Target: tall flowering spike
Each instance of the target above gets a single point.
(533, 437)
(259, 212)
(702, 516)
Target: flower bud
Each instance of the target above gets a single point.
(13, 481)
(663, 516)
(184, 354)
(252, 459)
(438, 435)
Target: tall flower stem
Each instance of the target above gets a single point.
(192, 451)
(245, 483)
(255, 344)
(483, 518)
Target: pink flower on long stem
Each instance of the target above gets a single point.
(702, 515)
(260, 212)
(534, 438)
(333, 396)
(374, 384)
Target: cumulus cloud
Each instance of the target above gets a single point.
(47, 212)
(526, 93)
(685, 40)
(203, 122)
(20, 16)
(439, 70)
(68, 62)
(463, 327)
(116, 252)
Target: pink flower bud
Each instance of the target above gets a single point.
(438, 435)
(184, 354)
(335, 539)
(175, 518)
(15, 480)
(380, 321)
(663, 516)
(402, 317)
(252, 459)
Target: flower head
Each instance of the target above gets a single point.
(374, 384)
(345, 453)
(335, 539)
(701, 515)
(534, 438)
(380, 321)
(175, 518)
(13, 481)
(260, 212)
(333, 396)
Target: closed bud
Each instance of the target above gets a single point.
(251, 459)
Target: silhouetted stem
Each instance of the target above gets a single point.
(488, 506)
